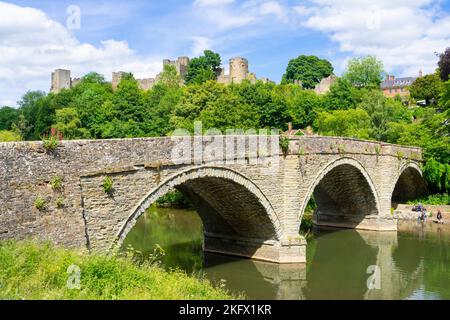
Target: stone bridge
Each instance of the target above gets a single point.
(247, 210)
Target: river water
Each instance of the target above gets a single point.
(342, 264)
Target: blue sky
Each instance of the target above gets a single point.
(135, 35)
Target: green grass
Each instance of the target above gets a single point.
(433, 200)
(39, 272)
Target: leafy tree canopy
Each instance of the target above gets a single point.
(427, 88)
(203, 68)
(365, 72)
(310, 70)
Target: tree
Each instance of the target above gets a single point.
(69, 124)
(444, 65)
(303, 106)
(310, 70)
(344, 123)
(203, 68)
(427, 88)
(365, 72)
(382, 110)
(196, 98)
(170, 76)
(8, 116)
(342, 96)
(30, 106)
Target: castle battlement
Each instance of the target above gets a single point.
(239, 71)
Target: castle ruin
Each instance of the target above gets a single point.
(239, 71)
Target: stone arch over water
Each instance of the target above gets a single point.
(344, 193)
(409, 185)
(230, 205)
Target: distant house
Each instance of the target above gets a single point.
(397, 86)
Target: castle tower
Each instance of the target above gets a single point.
(182, 65)
(60, 80)
(238, 70)
(116, 78)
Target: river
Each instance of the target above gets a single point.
(342, 264)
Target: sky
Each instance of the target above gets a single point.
(37, 37)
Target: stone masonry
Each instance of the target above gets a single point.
(246, 210)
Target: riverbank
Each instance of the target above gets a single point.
(33, 271)
(405, 212)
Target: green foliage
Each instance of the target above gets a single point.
(56, 183)
(437, 176)
(310, 70)
(203, 68)
(344, 123)
(69, 124)
(427, 88)
(40, 203)
(433, 200)
(174, 199)
(170, 77)
(8, 116)
(342, 96)
(108, 185)
(52, 141)
(60, 202)
(382, 111)
(365, 72)
(9, 136)
(284, 145)
(30, 271)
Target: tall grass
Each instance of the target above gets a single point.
(34, 271)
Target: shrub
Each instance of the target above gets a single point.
(284, 145)
(60, 202)
(108, 185)
(52, 141)
(56, 183)
(40, 203)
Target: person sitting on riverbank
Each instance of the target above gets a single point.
(424, 215)
(439, 217)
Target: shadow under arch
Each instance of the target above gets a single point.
(237, 217)
(410, 184)
(345, 195)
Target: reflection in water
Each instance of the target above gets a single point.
(413, 262)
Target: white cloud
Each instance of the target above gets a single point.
(405, 33)
(32, 45)
(273, 8)
(200, 45)
(212, 3)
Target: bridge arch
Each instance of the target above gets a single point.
(344, 193)
(409, 184)
(228, 203)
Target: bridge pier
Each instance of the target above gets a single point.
(282, 252)
(371, 222)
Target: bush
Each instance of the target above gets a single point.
(52, 141)
(433, 200)
(174, 199)
(284, 145)
(60, 202)
(56, 183)
(40, 203)
(108, 185)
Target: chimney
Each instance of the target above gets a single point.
(420, 73)
(290, 127)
